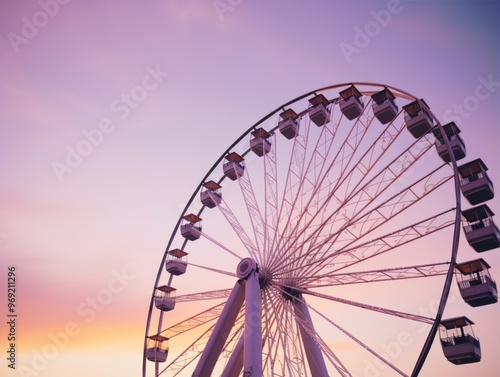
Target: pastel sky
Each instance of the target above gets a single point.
(102, 223)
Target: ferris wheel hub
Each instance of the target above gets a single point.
(264, 278)
(246, 267)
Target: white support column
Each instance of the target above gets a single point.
(220, 333)
(252, 355)
(314, 355)
(252, 348)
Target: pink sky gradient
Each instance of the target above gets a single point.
(70, 235)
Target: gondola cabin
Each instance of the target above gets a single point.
(176, 263)
(475, 184)
(259, 143)
(157, 348)
(191, 228)
(475, 283)
(457, 145)
(384, 106)
(350, 102)
(288, 125)
(210, 195)
(165, 298)
(418, 120)
(460, 346)
(318, 110)
(233, 167)
(480, 230)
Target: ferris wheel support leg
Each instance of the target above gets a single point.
(314, 355)
(235, 362)
(252, 350)
(220, 333)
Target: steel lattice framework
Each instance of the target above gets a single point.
(310, 222)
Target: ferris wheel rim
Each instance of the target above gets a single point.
(399, 93)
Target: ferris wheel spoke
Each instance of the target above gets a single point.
(360, 182)
(360, 343)
(335, 171)
(306, 177)
(216, 270)
(293, 357)
(387, 174)
(233, 347)
(370, 276)
(338, 220)
(190, 354)
(238, 229)
(293, 181)
(351, 336)
(334, 360)
(234, 363)
(357, 205)
(390, 241)
(378, 309)
(360, 171)
(193, 322)
(271, 199)
(355, 229)
(341, 168)
(275, 336)
(256, 218)
(328, 184)
(208, 295)
(219, 244)
(367, 218)
(302, 178)
(304, 322)
(284, 336)
(347, 257)
(274, 311)
(325, 182)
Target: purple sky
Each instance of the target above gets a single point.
(161, 89)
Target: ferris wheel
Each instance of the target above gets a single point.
(317, 238)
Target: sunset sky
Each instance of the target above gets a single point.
(161, 89)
